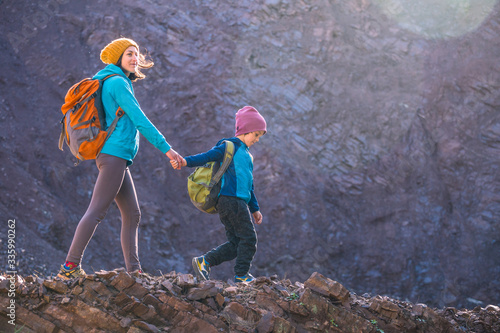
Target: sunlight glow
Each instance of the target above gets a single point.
(438, 19)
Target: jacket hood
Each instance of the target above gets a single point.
(108, 70)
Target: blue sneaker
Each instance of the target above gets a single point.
(201, 268)
(245, 278)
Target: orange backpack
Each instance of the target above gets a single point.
(84, 120)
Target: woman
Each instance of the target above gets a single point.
(114, 181)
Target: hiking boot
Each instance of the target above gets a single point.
(201, 268)
(67, 274)
(245, 278)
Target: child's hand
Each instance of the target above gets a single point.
(257, 216)
(176, 165)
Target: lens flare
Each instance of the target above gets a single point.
(438, 19)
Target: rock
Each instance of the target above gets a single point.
(269, 303)
(266, 323)
(106, 275)
(98, 287)
(80, 316)
(130, 307)
(418, 309)
(185, 280)
(137, 290)
(122, 281)
(207, 289)
(493, 308)
(121, 300)
(237, 314)
(298, 309)
(151, 300)
(270, 323)
(314, 304)
(327, 287)
(186, 323)
(125, 322)
(385, 308)
(56, 285)
(219, 299)
(34, 322)
(174, 289)
(283, 326)
(267, 289)
(177, 303)
(146, 312)
(250, 308)
(212, 303)
(231, 290)
(77, 290)
(145, 327)
(4, 284)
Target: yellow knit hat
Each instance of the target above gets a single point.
(113, 51)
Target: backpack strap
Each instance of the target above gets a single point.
(107, 77)
(102, 114)
(228, 156)
(63, 132)
(100, 108)
(119, 112)
(111, 128)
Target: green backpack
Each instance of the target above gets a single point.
(204, 183)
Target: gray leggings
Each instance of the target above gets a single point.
(114, 182)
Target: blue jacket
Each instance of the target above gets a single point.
(237, 181)
(124, 142)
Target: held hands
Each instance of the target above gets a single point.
(175, 159)
(176, 164)
(257, 216)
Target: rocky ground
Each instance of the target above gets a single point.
(116, 301)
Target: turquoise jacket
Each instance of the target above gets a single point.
(237, 181)
(124, 142)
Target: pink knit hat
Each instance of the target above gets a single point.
(248, 120)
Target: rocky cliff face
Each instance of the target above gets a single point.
(380, 168)
(115, 301)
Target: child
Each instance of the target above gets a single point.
(237, 201)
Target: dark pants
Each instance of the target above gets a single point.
(241, 236)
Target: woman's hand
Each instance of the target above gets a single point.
(175, 159)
